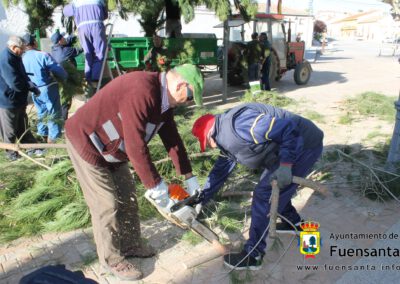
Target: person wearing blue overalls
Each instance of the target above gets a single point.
(89, 16)
(259, 136)
(63, 49)
(40, 67)
(64, 53)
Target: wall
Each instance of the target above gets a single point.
(13, 21)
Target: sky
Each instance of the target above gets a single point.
(337, 5)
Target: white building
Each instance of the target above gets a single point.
(13, 21)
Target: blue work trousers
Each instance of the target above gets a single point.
(265, 85)
(254, 72)
(94, 43)
(48, 107)
(260, 207)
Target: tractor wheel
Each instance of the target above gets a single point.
(302, 73)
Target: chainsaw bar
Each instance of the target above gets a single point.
(197, 227)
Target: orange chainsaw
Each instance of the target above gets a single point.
(184, 216)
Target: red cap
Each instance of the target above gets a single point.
(201, 127)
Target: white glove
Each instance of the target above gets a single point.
(160, 196)
(192, 185)
(198, 208)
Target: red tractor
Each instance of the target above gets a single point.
(286, 54)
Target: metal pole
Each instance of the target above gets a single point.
(225, 63)
(103, 64)
(394, 151)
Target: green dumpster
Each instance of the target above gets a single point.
(129, 53)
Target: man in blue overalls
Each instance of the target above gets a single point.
(264, 137)
(39, 66)
(64, 53)
(63, 50)
(89, 16)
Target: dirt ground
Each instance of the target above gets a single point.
(346, 69)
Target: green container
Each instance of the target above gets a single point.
(129, 53)
(199, 51)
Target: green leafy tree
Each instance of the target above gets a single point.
(151, 10)
(39, 12)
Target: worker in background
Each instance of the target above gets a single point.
(254, 57)
(266, 63)
(14, 88)
(115, 127)
(64, 53)
(63, 49)
(259, 136)
(41, 68)
(89, 17)
(156, 59)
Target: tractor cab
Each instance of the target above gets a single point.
(287, 52)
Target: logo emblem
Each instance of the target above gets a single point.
(310, 240)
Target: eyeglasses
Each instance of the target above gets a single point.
(189, 93)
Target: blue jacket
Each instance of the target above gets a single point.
(248, 134)
(14, 87)
(62, 53)
(40, 64)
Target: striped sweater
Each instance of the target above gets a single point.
(118, 122)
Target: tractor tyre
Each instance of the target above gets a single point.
(302, 73)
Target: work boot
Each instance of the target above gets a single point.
(242, 261)
(12, 155)
(36, 152)
(143, 251)
(125, 270)
(285, 228)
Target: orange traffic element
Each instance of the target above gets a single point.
(177, 192)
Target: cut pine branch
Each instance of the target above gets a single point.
(17, 147)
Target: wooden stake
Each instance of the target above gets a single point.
(217, 250)
(273, 213)
(17, 147)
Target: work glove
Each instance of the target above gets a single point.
(283, 175)
(160, 195)
(198, 208)
(33, 88)
(192, 186)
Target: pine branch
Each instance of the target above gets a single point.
(371, 170)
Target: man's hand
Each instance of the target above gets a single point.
(283, 175)
(192, 186)
(33, 88)
(160, 196)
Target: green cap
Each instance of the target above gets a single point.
(192, 75)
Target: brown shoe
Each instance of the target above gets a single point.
(125, 270)
(143, 251)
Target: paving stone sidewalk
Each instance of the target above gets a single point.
(347, 213)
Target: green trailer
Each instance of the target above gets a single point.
(129, 52)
